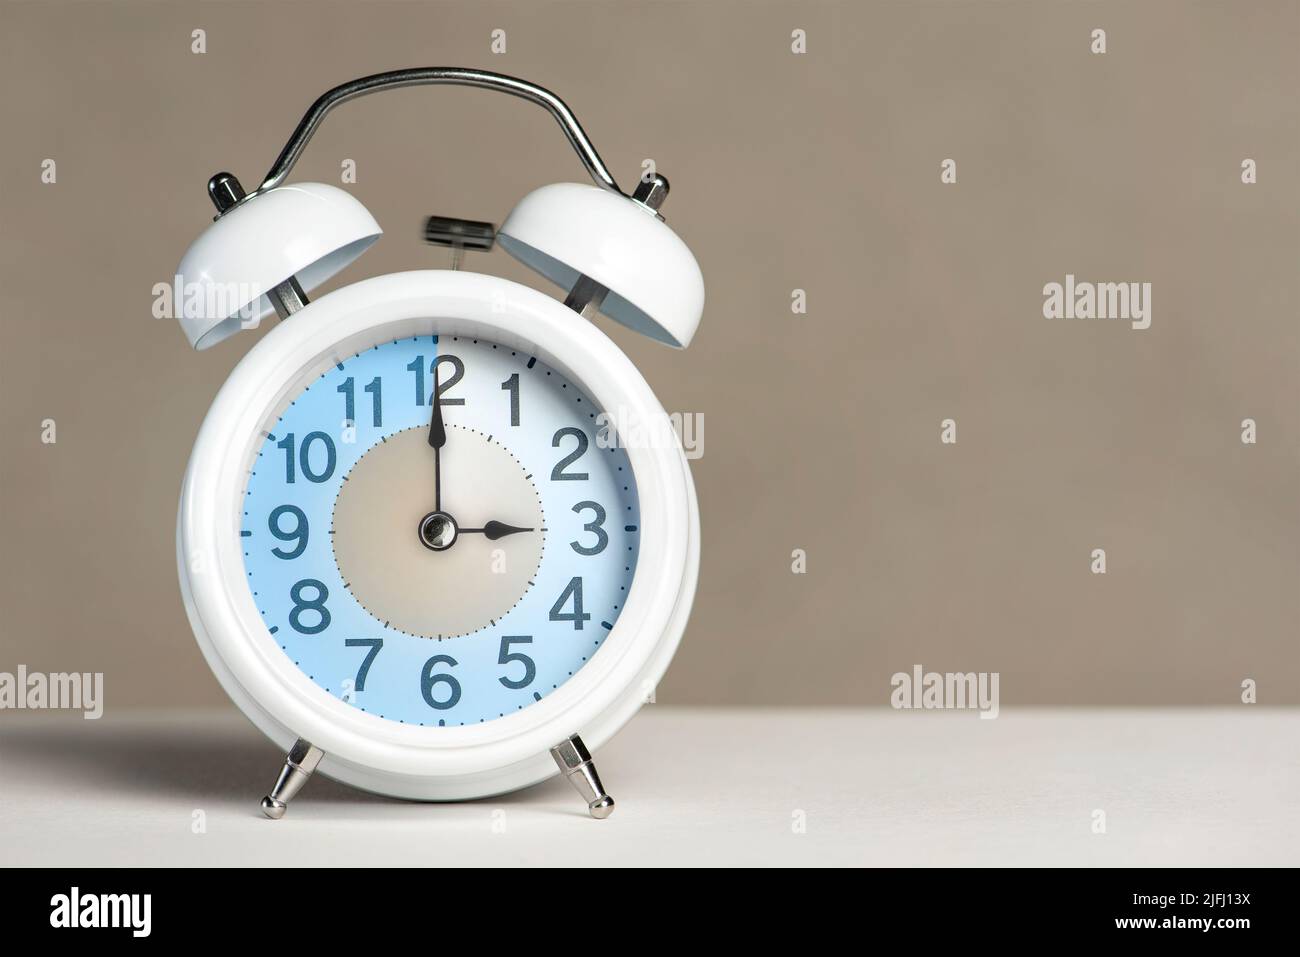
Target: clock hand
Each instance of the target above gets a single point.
(494, 530)
(437, 439)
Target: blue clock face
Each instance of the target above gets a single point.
(437, 532)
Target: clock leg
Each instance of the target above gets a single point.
(574, 761)
(298, 767)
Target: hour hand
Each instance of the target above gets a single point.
(437, 431)
(494, 530)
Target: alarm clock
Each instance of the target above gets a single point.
(436, 537)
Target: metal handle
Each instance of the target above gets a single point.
(455, 76)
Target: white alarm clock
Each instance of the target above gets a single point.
(436, 532)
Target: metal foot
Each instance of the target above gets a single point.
(574, 760)
(298, 767)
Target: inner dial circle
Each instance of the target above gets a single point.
(460, 580)
(338, 491)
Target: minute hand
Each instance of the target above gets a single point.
(437, 439)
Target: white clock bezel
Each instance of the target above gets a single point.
(362, 749)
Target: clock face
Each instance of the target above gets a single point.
(436, 530)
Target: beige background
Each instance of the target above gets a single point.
(819, 172)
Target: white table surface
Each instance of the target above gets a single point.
(1178, 787)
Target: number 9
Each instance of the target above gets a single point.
(298, 533)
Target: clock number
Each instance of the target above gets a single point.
(374, 644)
(298, 533)
(507, 656)
(349, 400)
(304, 457)
(511, 385)
(428, 679)
(602, 537)
(316, 604)
(286, 443)
(558, 474)
(376, 392)
(576, 616)
(376, 401)
(457, 373)
(416, 366)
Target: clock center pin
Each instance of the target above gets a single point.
(438, 531)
